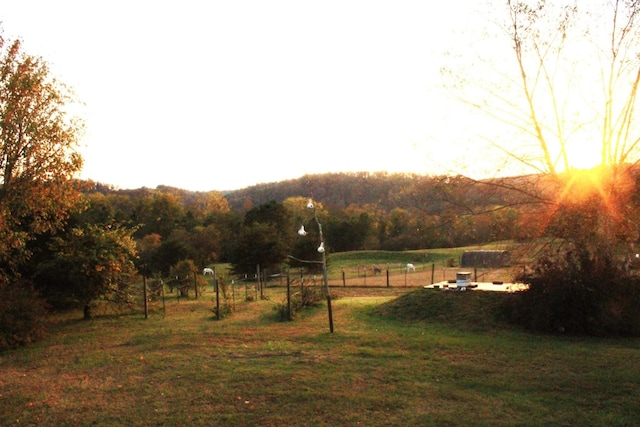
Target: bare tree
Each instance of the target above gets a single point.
(561, 76)
(561, 84)
(559, 80)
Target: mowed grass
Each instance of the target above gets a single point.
(399, 356)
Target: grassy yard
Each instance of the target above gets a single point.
(399, 356)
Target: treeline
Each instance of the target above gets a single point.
(359, 211)
(388, 191)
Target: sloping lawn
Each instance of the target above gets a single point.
(397, 357)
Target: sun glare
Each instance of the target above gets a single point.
(586, 176)
(582, 184)
(584, 157)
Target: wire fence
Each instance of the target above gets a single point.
(395, 275)
(230, 289)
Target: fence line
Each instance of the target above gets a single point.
(251, 288)
(395, 276)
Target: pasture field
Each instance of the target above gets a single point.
(356, 268)
(399, 356)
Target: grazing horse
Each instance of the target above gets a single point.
(377, 270)
(411, 267)
(207, 271)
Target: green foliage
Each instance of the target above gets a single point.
(168, 254)
(282, 311)
(89, 263)
(428, 212)
(265, 239)
(171, 224)
(355, 258)
(351, 230)
(226, 309)
(22, 315)
(576, 292)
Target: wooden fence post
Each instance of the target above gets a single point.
(288, 296)
(146, 299)
(257, 279)
(215, 283)
(164, 306)
(195, 283)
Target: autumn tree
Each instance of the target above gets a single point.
(38, 157)
(158, 212)
(202, 205)
(38, 160)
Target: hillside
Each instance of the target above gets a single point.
(383, 190)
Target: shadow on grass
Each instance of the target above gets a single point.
(470, 310)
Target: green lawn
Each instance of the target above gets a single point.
(398, 357)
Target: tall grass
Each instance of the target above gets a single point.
(398, 357)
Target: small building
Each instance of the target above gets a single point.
(485, 259)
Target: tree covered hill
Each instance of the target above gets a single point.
(364, 210)
(338, 190)
(380, 191)
(385, 191)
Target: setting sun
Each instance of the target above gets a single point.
(581, 184)
(595, 185)
(585, 156)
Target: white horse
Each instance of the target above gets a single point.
(207, 271)
(411, 267)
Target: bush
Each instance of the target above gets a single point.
(577, 293)
(226, 307)
(309, 296)
(22, 315)
(225, 310)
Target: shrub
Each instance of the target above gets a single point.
(184, 274)
(225, 310)
(22, 315)
(282, 311)
(226, 307)
(577, 292)
(309, 296)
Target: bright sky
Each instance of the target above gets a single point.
(220, 95)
